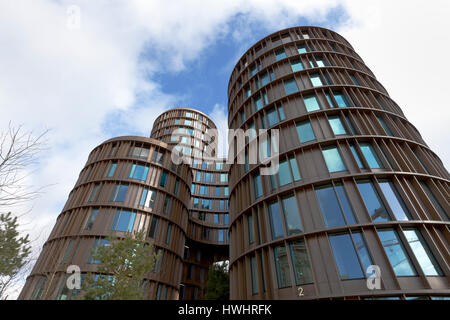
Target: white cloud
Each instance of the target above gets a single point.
(405, 45)
(74, 82)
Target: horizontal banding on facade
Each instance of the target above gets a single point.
(128, 184)
(345, 147)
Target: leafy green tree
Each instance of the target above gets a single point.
(122, 265)
(14, 251)
(218, 285)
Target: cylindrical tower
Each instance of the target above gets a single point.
(357, 191)
(191, 133)
(128, 184)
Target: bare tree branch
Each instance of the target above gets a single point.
(18, 152)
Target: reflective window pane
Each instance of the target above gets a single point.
(280, 54)
(396, 253)
(296, 65)
(311, 103)
(397, 205)
(290, 86)
(251, 233)
(284, 175)
(371, 156)
(362, 251)
(376, 209)
(346, 257)
(329, 206)
(294, 168)
(276, 226)
(356, 156)
(282, 267)
(257, 184)
(341, 101)
(291, 215)
(422, 253)
(348, 212)
(336, 125)
(300, 259)
(305, 132)
(315, 80)
(333, 159)
(254, 274)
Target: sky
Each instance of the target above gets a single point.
(131, 60)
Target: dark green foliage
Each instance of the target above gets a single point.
(14, 251)
(218, 286)
(122, 267)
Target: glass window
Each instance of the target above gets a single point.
(296, 65)
(434, 201)
(341, 101)
(396, 253)
(258, 103)
(291, 215)
(248, 92)
(264, 79)
(300, 259)
(166, 206)
(138, 172)
(225, 191)
(394, 200)
(254, 274)
(422, 253)
(336, 125)
(251, 233)
(112, 169)
(91, 220)
(385, 126)
(361, 250)
(148, 198)
(294, 167)
(333, 159)
(119, 193)
(345, 204)
(272, 117)
(356, 156)
(371, 156)
(123, 221)
(257, 184)
(290, 86)
(282, 267)
(311, 103)
(329, 206)
(350, 124)
(276, 226)
(354, 80)
(157, 157)
(321, 62)
(162, 181)
(223, 177)
(153, 227)
(284, 175)
(330, 102)
(301, 49)
(169, 233)
(253, 71)
(280, 54)
(376, 209)
(95, 192)
(346, 257)
(315, 80)
(305, 132)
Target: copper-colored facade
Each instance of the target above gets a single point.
(128, 184)
(357, 186)
(207, 230)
